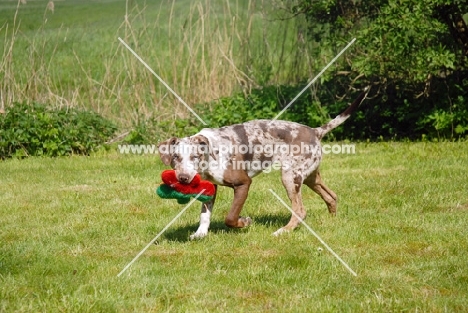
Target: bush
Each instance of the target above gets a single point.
(263, 103)
(35, 130)
(152, 130)
(393, 114)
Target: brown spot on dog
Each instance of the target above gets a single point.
(297, 182)
(241, 133)
(282, 134)
(263, 126)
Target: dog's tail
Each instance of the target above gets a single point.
(337, 121)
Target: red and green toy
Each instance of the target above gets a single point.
(173, 189)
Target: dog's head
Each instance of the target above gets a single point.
(185, 155)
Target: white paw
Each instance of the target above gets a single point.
(198, 235)
(280, 231)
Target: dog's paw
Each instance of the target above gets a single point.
(280, 231)
(242, 222)
(198, 235)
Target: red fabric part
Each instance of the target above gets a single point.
(195, 186)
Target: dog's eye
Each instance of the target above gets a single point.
(175, 157)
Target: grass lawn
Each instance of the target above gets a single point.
(70, 225)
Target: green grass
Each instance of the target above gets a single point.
(70, 225)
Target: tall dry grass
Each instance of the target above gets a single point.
(204, 52)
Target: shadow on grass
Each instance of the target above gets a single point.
(181, 234)
(272, 220)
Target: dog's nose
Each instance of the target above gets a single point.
(184, 179)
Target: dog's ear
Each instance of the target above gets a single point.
(166, 149)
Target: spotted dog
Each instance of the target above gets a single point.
(232, 155)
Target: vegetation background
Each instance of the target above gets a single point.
(240, 60)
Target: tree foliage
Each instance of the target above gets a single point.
(413, 52)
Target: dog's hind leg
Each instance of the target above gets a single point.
(292, 183)
(314, 182)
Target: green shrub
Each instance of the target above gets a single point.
(35, 130)
(237, 109)
(393, 115)
(263, 103)
(152, 130)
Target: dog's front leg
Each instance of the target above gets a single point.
(233, 219)
(205, 218)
